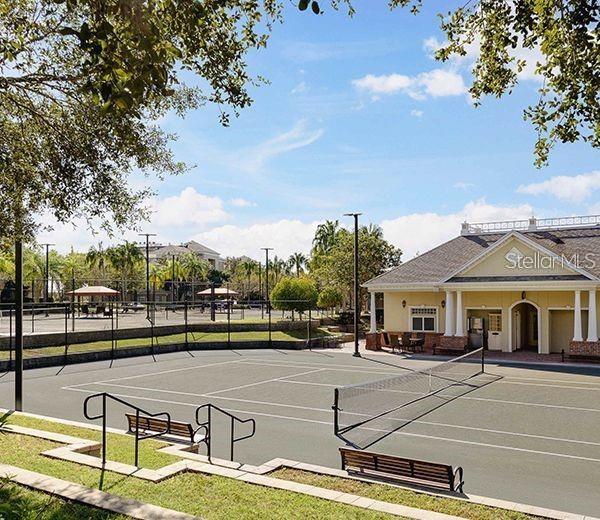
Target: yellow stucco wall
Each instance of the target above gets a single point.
(397, 317)
(501, 263)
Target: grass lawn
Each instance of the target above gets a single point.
(20, 503)
(208, 496)
(405, 497)
(218, 497)
(193, 337)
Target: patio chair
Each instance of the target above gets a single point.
(100, 310)
(395, 342)
(406, 341)
(85, 310)
(386, 339)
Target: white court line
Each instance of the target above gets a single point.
(262, 382)
(328, 410)
(459, 441)
(384, 371)
(153, 373)
(548, 386)
(358, 370)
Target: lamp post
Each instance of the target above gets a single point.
(356, 289)
(266, 250)
(173, 278)
(147, 235)
(47, 272)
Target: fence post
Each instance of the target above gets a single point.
(309, 328)
(112, 331)
(228, 321)
(269, 312)
(185, 318)
(10, 342)
(66, 330)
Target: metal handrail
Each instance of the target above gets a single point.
(137, 409)
(208, 426)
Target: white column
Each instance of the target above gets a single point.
(373, 313)
(459, 314)
(577, 318)
(592, 317)
(449, 326)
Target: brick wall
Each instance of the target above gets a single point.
(584, 348)
(453, 342)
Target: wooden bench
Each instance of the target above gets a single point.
(396, 469)
(153, 424)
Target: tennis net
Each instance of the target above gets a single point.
(384, 405)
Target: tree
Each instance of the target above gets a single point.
(557, 39)
(98, 257)
(82, 84)
(325, 236)
(330, 298)
(375, 253)
(125, 258)
(298, 261)
(249, 268)
(294, 294)
(194, 267)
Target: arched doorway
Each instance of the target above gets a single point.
(525, 326)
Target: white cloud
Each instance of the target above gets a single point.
(463, 185)
(241, 203)
(435, 83)
(189, 208)
(284, 236)
(300, 88)
(255, 158)
(172, 218)
(531, 57)
(416, 113)
(576, 188)
(420, 232)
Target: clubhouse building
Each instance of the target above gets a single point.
(508, 286)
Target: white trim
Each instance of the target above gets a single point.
(539, 324)
(527, 241)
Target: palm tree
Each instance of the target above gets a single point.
(248, 268)
(298, 261)
(325, 236)
(98, 257)
(373, 230)
(193, 267)
(124, 258)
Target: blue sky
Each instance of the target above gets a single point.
(359, 117)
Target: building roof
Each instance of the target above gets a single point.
(200, 248)
(93, 290)
(437, 265)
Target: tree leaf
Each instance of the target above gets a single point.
(303, 5)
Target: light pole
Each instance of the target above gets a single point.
(147, 235)
(47, 275)
(356, 289)
(173, 278)
(266, 250)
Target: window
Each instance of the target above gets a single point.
(424, 319)
(495, 322)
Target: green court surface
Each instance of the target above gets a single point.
(529, 434)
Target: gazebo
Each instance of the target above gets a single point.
(218, 291)
(93, 290)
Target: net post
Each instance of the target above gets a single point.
(336, 424)
(482, 360)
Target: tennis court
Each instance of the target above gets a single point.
(526, 434)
